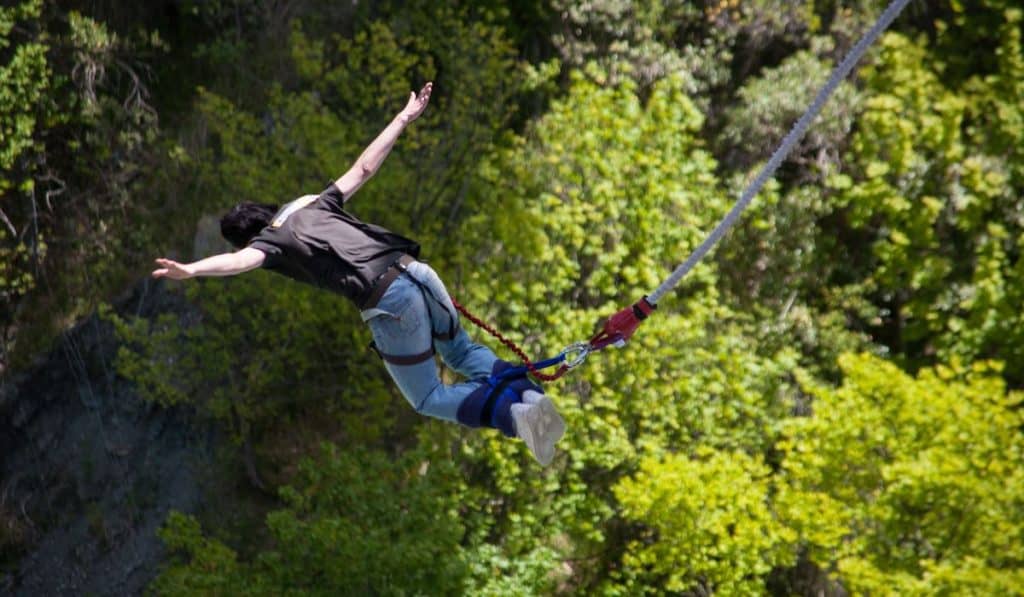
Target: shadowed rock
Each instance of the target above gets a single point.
(88, 470)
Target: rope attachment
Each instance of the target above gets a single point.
(621, 326)
(616, 330)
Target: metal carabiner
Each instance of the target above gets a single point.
(580, 349)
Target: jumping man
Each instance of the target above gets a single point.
(314, 240)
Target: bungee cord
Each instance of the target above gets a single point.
(618, 328)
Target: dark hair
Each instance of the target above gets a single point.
(245, 221)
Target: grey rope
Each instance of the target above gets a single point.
(798, 130)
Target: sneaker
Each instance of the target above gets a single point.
(539, 425)
(549, 411)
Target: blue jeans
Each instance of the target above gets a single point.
(402, 324)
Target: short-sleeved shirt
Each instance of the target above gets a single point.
(314, 240)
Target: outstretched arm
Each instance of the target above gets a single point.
(225, 264)
(373, 156)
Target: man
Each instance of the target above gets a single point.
(314, 240)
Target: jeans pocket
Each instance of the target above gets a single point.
(410, 318)
(439, 304)
(397, 325)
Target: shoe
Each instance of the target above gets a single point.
(539, 425)
(550, 412)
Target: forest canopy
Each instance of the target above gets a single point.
(830, 403)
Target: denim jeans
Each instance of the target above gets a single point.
(402, 324)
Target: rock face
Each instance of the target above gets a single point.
(207, 240)
(88, 470)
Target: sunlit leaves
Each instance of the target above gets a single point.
(593, 207)
(709, 524)
(925, 473)
(944, 211)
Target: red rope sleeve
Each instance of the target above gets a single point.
(511, 346)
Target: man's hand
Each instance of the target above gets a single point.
(417, 104)
(372, 157)
(172, 269)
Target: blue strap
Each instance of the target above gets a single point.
(522, 370)
(490, 404)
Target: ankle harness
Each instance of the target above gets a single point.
(490, 405)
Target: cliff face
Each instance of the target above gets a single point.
(88, 470)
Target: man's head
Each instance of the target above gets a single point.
(245, 221)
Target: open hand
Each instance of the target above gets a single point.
(171, 269)
(417, 103)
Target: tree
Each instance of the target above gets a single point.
(710, 46)
(708, 524)
(343, 531)
(594, 205)
(77, 133)
(772, 257)
(910, 485)
(940, 211)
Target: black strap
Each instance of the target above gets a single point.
(640, 312)
(415, 359)
(410, 359)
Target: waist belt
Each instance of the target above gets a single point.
(380, 285)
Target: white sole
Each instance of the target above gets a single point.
(539, 426)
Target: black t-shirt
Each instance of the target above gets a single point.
(314, 240)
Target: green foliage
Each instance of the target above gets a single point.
(16, 279)
(356, 523)
(24, 83)
(709, 524)
(912, 485)
(943, 214)
(350, 88)
(995, 99)
(75, 131)
(290, 346)
(627, 38)
(771, 103)
(718, 452)
(598, 201)
(773, 257)
(648, 41)
(219, 564)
